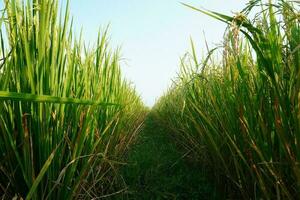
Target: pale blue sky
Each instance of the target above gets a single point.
(153, 35)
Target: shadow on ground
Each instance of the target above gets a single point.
(156, 169)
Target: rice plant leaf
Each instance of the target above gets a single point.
(14, 96)
(194, 53)
(218, 16)
(41, 174)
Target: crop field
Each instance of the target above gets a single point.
(73, 127)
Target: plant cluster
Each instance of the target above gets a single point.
(66, 114)
(240, 115)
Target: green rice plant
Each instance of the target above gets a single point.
(241, 114)
(66, 114)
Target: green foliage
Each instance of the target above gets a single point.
(242, 114)
(66, 115)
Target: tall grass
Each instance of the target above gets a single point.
(66, 114)
(241, 114)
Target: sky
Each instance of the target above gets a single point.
(152, 34)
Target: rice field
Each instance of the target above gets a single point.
(240, 114)
(67, 115)
(72, 127)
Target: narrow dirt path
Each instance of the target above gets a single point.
(156, 169)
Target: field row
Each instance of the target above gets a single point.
(68, 118)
